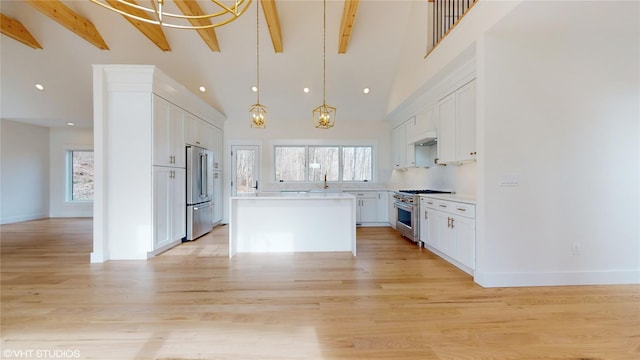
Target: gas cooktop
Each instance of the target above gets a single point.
(424, 192)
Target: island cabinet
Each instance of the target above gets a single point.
(371, 208)
(448, 229)
(457, 125)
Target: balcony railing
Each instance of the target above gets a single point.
(445, 14)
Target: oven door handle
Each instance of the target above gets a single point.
(404, 206)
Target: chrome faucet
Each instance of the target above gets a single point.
(325, 182)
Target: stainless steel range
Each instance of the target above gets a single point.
(407, 203)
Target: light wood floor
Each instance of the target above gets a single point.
(392, 301)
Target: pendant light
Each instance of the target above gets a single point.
(324, 116)
(258, 112)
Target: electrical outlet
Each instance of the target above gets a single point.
(509, 180)
(575, 248)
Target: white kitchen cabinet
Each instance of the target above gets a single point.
(198, 132)
(217, 197)
(457, 125)
(217, 148)
(403, 152)
(448, 229)
(168, 133)
(169, 204)
(140, 169)
(371, 208)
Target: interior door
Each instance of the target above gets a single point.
(245, 165)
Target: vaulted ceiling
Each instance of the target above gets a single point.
(54, 43)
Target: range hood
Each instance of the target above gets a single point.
(427, 138)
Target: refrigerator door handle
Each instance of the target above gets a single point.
(203, 176)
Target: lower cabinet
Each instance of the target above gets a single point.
(371, 208)
(449, 229)
(217, 197)
(169, 206)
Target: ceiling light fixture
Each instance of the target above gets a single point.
(39, 87)
(306, 90)
(70, 124)
(257, 111)
(203, 89)
(254, 88)
(157, 15)
(324, 116)
(365, 90)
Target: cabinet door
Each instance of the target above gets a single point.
(217, 148)
(447, 129)
(445, 238)
(161, 206)
(369, 209)
(466, 122)
(398, 147)
(161, 132)
(191, 129)
(424, 223)
(178, 204)
(383, 206)
(217, 197)
(176, 136)
(206, 135)
(464, 239)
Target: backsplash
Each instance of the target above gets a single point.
(460, 179)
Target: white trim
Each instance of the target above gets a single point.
(564, 278)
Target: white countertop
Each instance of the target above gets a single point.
(295, 195)
(451, 197)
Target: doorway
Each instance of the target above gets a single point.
(245, 169)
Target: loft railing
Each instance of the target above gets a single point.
(445, 14)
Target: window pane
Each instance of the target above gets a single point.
(290, 163)
(82, 175)
(357, 164)
(245, 160)
(323, 161)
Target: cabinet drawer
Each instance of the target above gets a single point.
(429, 203)
(462, 209)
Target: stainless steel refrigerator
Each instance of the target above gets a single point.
(199, 192)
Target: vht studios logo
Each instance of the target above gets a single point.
(40, 354)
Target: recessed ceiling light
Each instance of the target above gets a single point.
(306, 90)
(365, 90)
(70, 123)
(203, 89)
(39, 87)
(254, 88)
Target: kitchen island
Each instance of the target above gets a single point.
(292, 222)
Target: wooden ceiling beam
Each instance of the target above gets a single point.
(151, 31)
(15, 30)
(191, 7)
(68, 18)
(273, 22)
(346, 24)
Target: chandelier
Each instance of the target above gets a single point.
(324, 116)
(257, 112)
(156, 14)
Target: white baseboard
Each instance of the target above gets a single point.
(20, 218)
(620, 277)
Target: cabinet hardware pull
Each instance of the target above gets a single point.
(448, 222)
(425, 215)
(452, 225)
(461, 209)
(442, 205)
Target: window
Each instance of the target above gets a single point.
(323, 161)
(81, 175)
(337, 163)
(290, 163)
(357, 163)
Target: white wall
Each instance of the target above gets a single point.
(62, 140)
(460, 179)
(24, 164)
(560, 112)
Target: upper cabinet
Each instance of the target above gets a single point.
(199, 132)
(402, 151)
(168, 143)
(457, 125)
